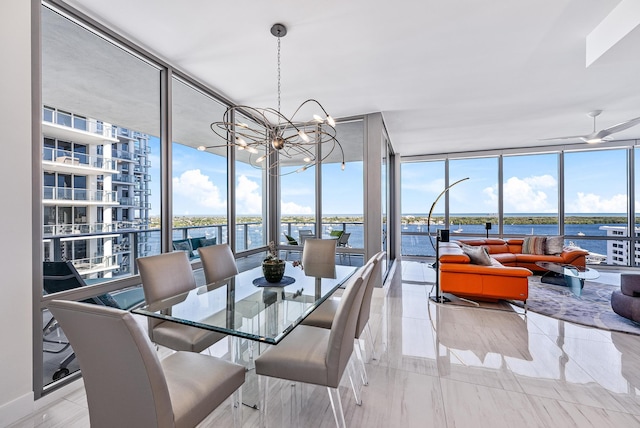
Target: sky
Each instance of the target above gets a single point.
(595, 182)
(200, 186)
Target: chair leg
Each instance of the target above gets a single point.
(336, 405)
(236, 408)
(356, 389)
(263, 385)
(363, 369)
(368, 328)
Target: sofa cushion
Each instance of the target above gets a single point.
(504, 258)
(630, 284)
(554, 245)
(534, 245)
(205, 242)
(477, 255)
(532, 258)
(183, 245)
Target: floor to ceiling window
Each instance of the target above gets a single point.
(199, 171)
(250, 194)
(420, 184)
(530, 194)
(588, 203)
(595, 200)
(474, 202)
(342, 192)
(100, 162)
(297, 200)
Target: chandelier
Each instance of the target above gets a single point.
(267, 139)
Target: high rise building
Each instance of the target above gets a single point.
(96, 195)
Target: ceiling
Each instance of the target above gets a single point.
(447, 76)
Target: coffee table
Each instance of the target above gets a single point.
(567, 275)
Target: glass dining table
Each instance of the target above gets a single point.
(245, 306)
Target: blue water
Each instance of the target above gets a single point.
(412, 245)
(420, 246)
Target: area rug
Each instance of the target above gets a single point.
(592, 308)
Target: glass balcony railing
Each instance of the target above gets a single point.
(130, 201)
(123, 178)
(89, 228)
(70, 194)
(78, 159)
(78, 122)
(123, 154)
(93, 263)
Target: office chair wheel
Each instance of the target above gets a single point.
(61, 373)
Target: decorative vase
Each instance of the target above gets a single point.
(273, 270)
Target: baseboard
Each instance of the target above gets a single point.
(16, 409)
(26, 405)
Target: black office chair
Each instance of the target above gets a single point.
(62, 276)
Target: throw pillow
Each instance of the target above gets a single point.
(534, 245)
(554, 245)
(477, 255)
(183, 245)
(205, 242)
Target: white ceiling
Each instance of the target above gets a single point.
(448, 76)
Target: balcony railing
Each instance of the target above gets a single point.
(89, 228)
(69, 194)
(137, 239)
(95, 263)
(123, 178)
(78, 122)
(130, 201)
(123, 154)
(78, 159)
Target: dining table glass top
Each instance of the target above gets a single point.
(238, 307)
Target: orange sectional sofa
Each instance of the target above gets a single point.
(509, 253)
(489, 283)
(506, 278)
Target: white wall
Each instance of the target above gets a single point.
(16, 396)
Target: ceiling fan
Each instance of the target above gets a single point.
(603, 134)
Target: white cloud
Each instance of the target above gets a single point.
(592, 203)
(433, 186)
(248, 196)
(527, 194)
(197, 188)
(291, 208)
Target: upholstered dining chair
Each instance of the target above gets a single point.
(218, 262)
(290, 241)
(316, 355)
(324, 315)
(163, 276)
(127, 384)
(343, 242)
(319, 257)
(305, 234)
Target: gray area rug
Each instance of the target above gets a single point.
(592, 308)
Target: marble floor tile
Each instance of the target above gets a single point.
(558, 413)
(451, 366)
(470, 405)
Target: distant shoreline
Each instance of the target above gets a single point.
(517, 219)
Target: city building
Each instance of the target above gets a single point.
(96, 193)
(618, 249)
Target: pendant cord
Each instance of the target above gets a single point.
(278, 74)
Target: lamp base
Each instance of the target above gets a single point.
(442, 299)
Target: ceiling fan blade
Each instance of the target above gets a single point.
(622, 126)
(568, 137)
